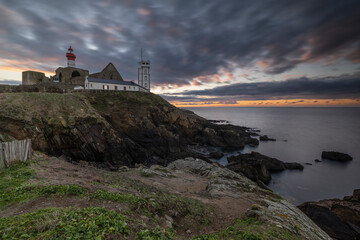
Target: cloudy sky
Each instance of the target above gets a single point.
(202, 53)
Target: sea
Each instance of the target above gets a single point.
(301, 134)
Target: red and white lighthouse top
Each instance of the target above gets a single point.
(70, 55)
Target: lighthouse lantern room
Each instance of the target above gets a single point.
(70, 57)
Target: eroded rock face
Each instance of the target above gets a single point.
(339, 218)
(112, 129)
(257, 167)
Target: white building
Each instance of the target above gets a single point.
(114, 85)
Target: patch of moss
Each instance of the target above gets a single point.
(54, 223)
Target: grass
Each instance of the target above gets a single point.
(54, 223)
(116, 197)
(154, 234)
(52, 107)
(14, 187)
(250, 229)
(161, 202)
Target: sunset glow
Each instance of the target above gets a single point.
(277, 103)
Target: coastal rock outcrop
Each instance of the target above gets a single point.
(339, 218)
(266, 138)
(112, 129)
(336, 156)
(257, 166)
(271, 209)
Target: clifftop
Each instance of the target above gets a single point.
(112, 128)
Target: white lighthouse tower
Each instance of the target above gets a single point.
(144, 73)
(70, 57)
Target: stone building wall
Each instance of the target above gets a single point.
(32, 77)
(71, 75)
(109, 72)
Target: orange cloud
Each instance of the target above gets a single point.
(274, 103)
(143, 11)
(18, 69)
(263, 64)
(195, 82)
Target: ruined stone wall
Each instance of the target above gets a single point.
(71, 75)
(32, 77)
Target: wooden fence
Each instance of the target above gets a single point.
(14, 151)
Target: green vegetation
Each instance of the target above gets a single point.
(53, 223)
(11, 180)
(15, 175)
(155, 234)
(116, 197)
(250, 229)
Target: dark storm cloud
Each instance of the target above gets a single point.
(183, 39)
(346, 86)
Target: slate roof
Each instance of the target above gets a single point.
(98, 80)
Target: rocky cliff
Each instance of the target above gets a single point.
(112, 129)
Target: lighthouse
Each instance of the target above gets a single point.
(70, 57)
(144, 73)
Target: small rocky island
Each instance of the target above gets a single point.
(336, 156)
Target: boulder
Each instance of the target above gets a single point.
(336, 156)
(216, 155)
(339, 218)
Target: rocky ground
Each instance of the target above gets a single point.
(188, 199)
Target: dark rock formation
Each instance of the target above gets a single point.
(293, 166)
(257, 167)
(336, 156)
(112, 128)
(339, 218)
(266, 138)
(219, 121)
(216, 155)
